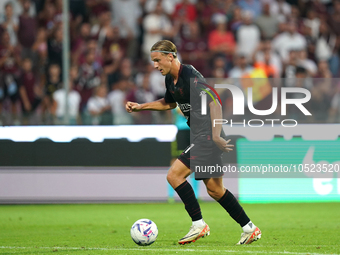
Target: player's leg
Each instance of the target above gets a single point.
(177, 174)
(176, 177)
(226, 199)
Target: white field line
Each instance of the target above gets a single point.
(166, 250)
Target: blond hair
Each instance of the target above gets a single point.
(165, 47)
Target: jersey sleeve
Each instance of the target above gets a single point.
(200, 85)
(168, 97)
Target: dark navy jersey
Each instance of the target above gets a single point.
(187, 94)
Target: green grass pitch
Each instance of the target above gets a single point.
(105, 229)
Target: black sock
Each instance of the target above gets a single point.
(232, 206)
(187, 194)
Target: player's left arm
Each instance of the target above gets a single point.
(216, 113)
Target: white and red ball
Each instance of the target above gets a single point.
(144, 232)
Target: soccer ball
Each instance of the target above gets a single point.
(144, 232)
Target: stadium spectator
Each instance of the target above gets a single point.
(247, 35)
(323, 70)
(268, 24)
(126, 14)
(206, 11)
(319, 7)
(228, 7)
(142, 95)
(241, 68)
(306, 63)
(27, 31)
(301, 79)
(307, 33)
(236, 20)
(99, 107)
(113, 42)
(46, 18)
(91, 46)
(124, 72)
(266, 64)
(10, 23)
(100, 30)
(313, 22)
(52, 83)
(89, 78)
(39, 49)
(78, 10)
(156, 26)
(10, 62)
(156, 80)
(287, 41)
(221, 41)
(296, 18)
(253, 6)
(112, 52)
(59, 10)
(117, 100)
(334, 19)
(98, 7)
(289, 69)
(194, 49)
(55, 47)
(73, 100)
(219, 74)
(17, 8)
(79, 42)
(185, 10)
(220, 62)
(280, 9)
(167, 5)
(335, 67)
(30, 92)
(157, 87)
(275, 60)
(325, 45)
(74, 77)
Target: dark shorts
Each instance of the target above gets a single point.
(183, 139)
(203, 157)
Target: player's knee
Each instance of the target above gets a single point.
(174, 179)
(215, 193)
(170, 177)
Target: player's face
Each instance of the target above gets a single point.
(162, 62)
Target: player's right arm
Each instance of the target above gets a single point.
(159, 105)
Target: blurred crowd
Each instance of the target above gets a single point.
(110, 41)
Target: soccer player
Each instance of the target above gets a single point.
(207, 142)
